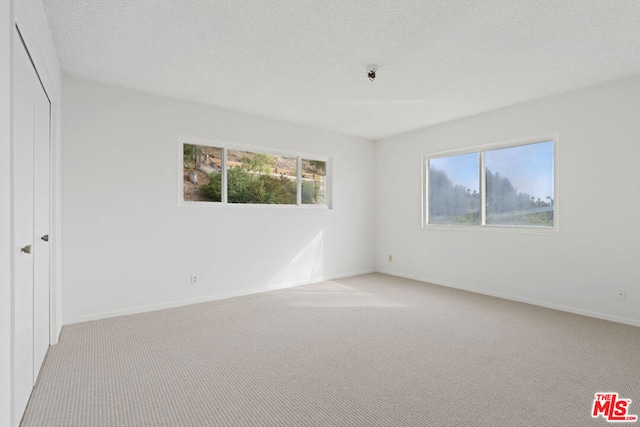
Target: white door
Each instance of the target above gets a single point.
(31, 215)
(41, 216)
(23, 90)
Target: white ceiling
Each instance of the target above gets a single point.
(305, 61)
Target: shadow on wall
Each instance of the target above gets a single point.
(305, 266)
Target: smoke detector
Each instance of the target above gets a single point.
(371, 72)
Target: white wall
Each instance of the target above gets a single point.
(579, 268)
(129, 247)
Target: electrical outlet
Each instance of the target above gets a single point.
(390, 258)
(194, 279)
(621, 295)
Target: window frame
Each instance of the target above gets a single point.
(225, 146)
(481, 150)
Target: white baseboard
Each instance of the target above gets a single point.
(568, 309)
(268, 288)
(207, 298)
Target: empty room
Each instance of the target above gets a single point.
(302, 213)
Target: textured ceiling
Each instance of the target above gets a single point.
(305, 61)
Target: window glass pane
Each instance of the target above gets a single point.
(519, 184)
(261, 178)
(454, 196)
(314, 178)
(202, 177)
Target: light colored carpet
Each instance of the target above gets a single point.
(371, 350)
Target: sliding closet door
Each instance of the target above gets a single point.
(41, 216)
(23, 114)
(31, 216)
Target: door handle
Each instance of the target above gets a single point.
(45, 237)
(26, 249)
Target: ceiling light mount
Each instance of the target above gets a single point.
(371, 72)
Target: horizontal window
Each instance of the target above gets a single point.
(233, 176)
(202, 173)
(508, 186)
(261, 179)
(314, 182)
(454, 190)
(519, 185)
